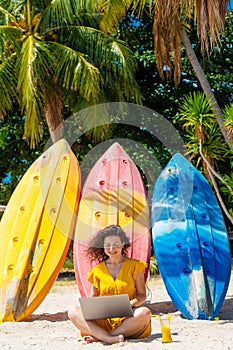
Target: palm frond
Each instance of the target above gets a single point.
(95, 121)
(5, 9)
(124, 67)
(17, 7)
(34, 66)
(86, 61)
(169, 16)
(60, 12)
(8, 82)
(197, 110)
(210, 18)
(112, 11)
(9, 39)
(228, 116)
(228, 190)
(90, 118)
(113, 58)
(167, 38)
(75, 72)
(213, 146)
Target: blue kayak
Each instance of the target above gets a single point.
(190, 240)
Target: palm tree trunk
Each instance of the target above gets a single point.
(205, 85)
(53, 114)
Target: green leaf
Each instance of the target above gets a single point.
(228, 115)
(8, 82)
(75, 72)
(9, 37)
(112, 57)
(34, 66)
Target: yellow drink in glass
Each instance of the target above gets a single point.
(166, 334)
(166, 330)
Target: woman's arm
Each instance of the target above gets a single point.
(94, 292)
(140, 290)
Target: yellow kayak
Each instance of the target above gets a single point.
(36, 230)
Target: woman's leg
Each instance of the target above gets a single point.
(134, 326)
(91, 328)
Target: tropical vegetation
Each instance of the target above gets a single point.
(53, 55)
(58, 57)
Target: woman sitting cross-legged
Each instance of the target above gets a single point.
(115, 274)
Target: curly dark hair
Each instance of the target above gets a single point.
(96, 246)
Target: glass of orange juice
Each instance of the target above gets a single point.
(166, 329)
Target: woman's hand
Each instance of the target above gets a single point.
(140, 290)
(94, 292)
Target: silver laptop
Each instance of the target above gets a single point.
(95, 308)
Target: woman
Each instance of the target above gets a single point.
(115, 274)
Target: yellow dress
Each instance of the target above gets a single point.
(125, 283)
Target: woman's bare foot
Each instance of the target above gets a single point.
(89, 339)
(116, 339)
(112, 340)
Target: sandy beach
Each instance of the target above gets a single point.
(49, 328)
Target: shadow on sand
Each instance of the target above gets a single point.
(165, 307)
(57, 317)
(226, 312)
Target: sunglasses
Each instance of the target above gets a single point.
(114, 245)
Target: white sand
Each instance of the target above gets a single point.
(49, 328)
